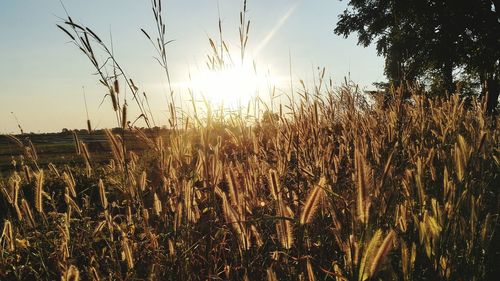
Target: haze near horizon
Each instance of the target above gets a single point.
(44, 77)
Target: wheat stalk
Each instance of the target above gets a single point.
(363, 202)
(39, 191)
(102, 194)
(312, 202)
(382, 252)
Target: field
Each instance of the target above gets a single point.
(329, 191)
(334, 184)
(59, 148)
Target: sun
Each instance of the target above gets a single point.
(231, 87)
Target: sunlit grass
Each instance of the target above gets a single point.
(333, 188)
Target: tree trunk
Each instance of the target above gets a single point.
(492, 95)
(393, 72)
(449, 86)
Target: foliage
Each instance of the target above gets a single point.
(422, 37)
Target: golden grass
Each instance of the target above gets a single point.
(329, 187)
(321, 193)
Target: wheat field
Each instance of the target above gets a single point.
(330, 191)
(329, 187)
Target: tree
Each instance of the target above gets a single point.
(483, 49)
(420, 37)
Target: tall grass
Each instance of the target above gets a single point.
(333, 189)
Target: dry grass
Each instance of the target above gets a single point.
(332, 189)
(402, 192)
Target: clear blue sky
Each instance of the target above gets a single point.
(42, 76)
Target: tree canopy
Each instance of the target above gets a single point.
(445, 39)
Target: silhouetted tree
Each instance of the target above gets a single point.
(418, 37)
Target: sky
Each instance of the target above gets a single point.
(43, 76)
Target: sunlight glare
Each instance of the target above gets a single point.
(232, 87)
